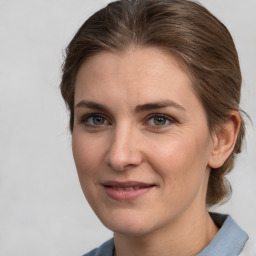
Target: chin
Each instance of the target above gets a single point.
(130, 230)
(129, 224)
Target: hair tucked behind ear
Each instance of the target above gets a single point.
(184, 29)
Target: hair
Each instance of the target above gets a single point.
(187, 31)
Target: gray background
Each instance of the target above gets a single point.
(42, 209)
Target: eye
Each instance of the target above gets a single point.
(159, 120)
(94, 120)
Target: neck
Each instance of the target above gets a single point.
(179, 238)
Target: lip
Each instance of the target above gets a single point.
(126, 191)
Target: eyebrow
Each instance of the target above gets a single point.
(92, 105)
(139, 108)
(157, 105)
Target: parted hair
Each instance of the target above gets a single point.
(184, 29)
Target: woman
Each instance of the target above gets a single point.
(153, 89)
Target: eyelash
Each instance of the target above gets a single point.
(85, 118)
(167, 119)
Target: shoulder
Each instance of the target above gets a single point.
(249, 247)
(105, 249)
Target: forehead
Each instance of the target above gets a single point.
(152, 58)
(135, 71)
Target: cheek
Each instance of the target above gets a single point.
(182, 172)
(180, 161)
(87, 155)
(172, 155)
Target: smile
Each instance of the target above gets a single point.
(127, 188)
(126, 191)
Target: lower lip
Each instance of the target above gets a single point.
(126, 195)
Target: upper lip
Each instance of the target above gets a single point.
(126, 184)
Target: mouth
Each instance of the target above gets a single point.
(125, 188)
(126, 191)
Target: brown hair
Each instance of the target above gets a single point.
(186, 30)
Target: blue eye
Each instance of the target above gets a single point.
(159, 120)
(94, 120)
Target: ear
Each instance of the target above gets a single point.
(224, 140)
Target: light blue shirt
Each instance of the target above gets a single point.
(229, 241)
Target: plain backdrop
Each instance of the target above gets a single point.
(42, 209)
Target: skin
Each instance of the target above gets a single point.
(121, 141)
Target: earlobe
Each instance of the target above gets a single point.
(224, 140)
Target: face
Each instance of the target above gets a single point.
(140, 141)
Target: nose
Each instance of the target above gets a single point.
(123, 152)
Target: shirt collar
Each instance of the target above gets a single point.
(230, 239)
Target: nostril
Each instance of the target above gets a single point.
(123, 152)
(123, 161)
